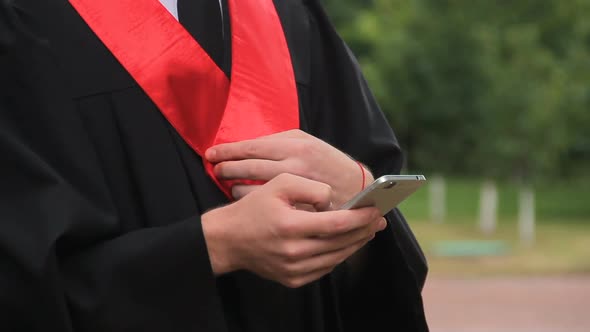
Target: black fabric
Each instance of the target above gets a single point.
(200, 19)
(100, 198)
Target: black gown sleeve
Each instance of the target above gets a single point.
(65, 264)
(346, 114)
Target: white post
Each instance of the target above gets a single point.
(488, 207)
(526, 216)
(437, 199)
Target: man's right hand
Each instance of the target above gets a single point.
(265, 234)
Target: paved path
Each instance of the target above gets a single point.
(553, 304)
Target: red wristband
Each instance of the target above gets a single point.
(363, 172)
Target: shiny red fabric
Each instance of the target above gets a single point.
(190, 90)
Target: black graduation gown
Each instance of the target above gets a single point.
(100, 199)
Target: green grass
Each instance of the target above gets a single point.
(562, 243)
(565, 201)
(558, 249)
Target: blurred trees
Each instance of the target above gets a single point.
(488, 88)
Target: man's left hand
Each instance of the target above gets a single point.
(294, 152)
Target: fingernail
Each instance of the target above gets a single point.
(382, 224)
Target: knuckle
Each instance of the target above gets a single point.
(290, 270)
(251, 150)
(293, 282)
(287, 227)
(367, 232)
(339, 226)
(326, 191)
(375, 213)
(340, 260)
(361, 244)
(292, 252)
(346, 254)
(257, 168)
(285, 178)
(251, 171)
(368, 217)
(298, 167)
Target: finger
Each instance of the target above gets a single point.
(271, 149)
(340, 241)
(299, 281)
(320, 245)
(293, 133)
(331, 223)
(305, 207)
(241, 190)
(313, 268)
(252, 169)
(299, 190)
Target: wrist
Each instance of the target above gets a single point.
(218, 244)
(366, 176)
(363, 174)
(358, 177)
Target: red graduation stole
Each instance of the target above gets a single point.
(192, 93)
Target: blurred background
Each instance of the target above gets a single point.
(490, 100)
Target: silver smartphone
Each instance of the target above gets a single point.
(386, 192)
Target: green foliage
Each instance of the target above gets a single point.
(495, 89)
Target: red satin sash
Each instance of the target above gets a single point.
(190, 90)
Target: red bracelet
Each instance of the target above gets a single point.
(363, 172)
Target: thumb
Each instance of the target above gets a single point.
(299, 190)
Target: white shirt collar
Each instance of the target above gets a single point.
(172, 7)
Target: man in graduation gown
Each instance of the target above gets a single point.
(159, 175)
